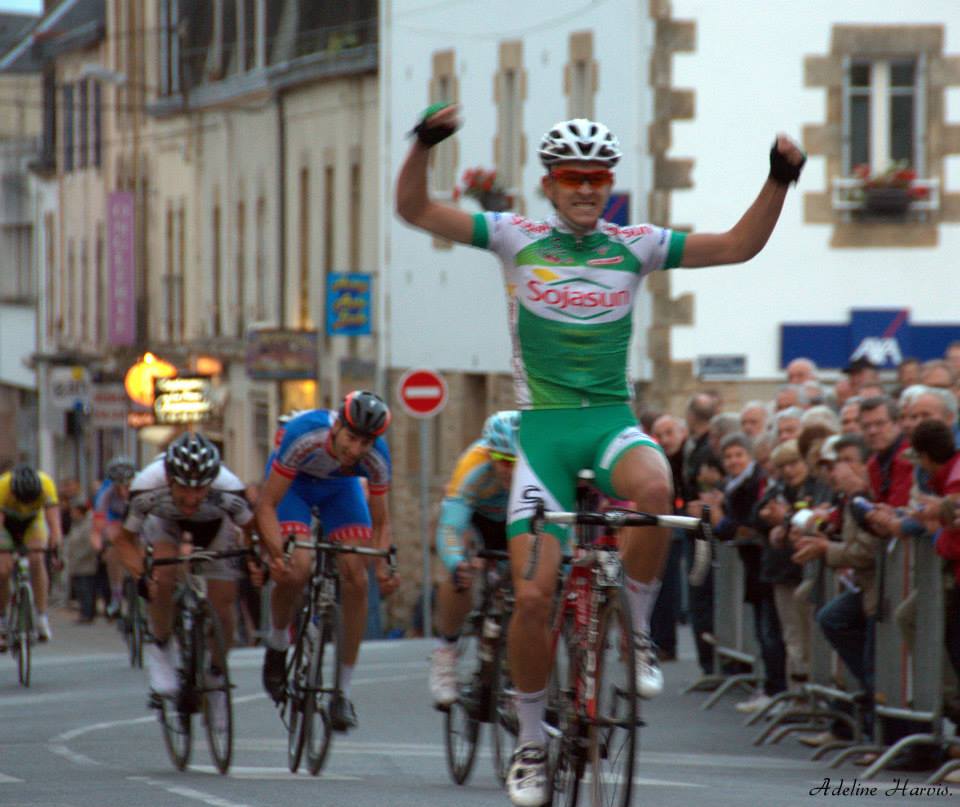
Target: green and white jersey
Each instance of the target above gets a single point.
(571, 301)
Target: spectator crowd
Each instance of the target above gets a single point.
(826, 474)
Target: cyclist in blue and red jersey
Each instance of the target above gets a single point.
(572, 281)
(109, 508)
(317, 466)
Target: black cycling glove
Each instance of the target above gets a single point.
(431, 135)
(782, 171)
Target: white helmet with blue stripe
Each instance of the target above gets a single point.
(500, 432)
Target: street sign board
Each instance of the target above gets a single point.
(423, 393)
(110, 406)
(182, 400)
(69, 387)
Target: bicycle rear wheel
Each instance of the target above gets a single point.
(461, 725)
(565, 747)
(216, 701)
(613, 730)
(176, 713)
(503, 718)
(131, 624)
(323, 678)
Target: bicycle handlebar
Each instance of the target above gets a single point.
(390, 553)
(617, 518)
(23, 550)
(622, 518)
(195, 555)
(492, 554)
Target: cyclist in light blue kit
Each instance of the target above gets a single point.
(317, 465)
(473, 511)
(110, 504)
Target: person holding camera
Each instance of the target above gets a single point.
(848, 620)
(736, 520)
(795, 490)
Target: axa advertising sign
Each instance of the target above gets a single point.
(885, 336)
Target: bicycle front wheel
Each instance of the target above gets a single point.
(503, 717)
(461, 725)
(213, 677)
(175, 713)
(298, 670)
(323, 678)
(22, 639)
(613, 726)
(566, 750)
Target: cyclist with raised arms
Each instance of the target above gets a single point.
(572, 281)
(109, 508)
(29, 515)
(473, 511)
(186, 495)
(317, 466)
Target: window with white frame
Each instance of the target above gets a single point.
(884, 115)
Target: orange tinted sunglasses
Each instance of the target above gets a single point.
(573, 178)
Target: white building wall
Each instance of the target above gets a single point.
(18, 335)
(748, 74)
(447, 307)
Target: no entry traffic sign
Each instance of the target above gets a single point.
(423, 393)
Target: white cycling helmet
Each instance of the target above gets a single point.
(579, 139)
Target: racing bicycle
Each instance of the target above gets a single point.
(21, 614)
(484, 694)
(313, 664)
(593, 713)
(200, 644)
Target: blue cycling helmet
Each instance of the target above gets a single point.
(500, 431)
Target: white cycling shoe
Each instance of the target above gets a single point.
(527, 777)
(649, 674)
(443, 675)
(162, 670)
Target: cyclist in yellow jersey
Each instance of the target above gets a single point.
(30, 516)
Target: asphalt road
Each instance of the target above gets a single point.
(81, 736)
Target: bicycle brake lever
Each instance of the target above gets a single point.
(536, 524)
(392, 559)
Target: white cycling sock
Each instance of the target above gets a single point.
(446, 641)
(530, 710)
(346, 674)
(278, 638)
(641, 597)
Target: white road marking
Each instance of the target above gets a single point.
(266, 773)
(8, 780)
(188, 792)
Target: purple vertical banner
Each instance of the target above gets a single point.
(121, 268)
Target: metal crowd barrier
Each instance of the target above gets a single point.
(912, 688)
(812, 706)
(733, 637)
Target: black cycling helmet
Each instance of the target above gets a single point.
(365, 413)
(120, 470)
(192, 460)
(25, 484)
